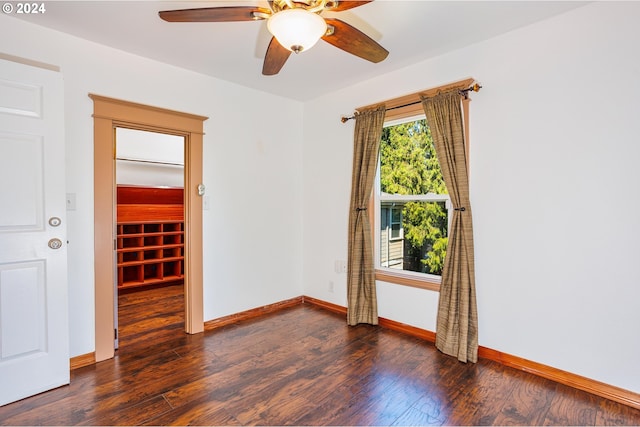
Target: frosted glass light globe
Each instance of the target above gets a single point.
(296, 29)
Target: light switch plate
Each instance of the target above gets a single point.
(71, 201)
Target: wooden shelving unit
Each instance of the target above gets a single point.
(150, 253)
(149, 240)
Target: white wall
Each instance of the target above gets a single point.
(554, 172)
(134, 144)
(251, 169)
(149, 174)
(151, 159)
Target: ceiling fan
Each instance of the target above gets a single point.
(295, 25)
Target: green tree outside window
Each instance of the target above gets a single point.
(409, 166)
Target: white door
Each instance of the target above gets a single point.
(34, 349)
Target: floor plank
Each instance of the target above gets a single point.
(529, 402)
(299, 366)
(571, 406)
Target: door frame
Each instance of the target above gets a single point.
(109, 113)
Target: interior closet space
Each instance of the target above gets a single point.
(150, 230)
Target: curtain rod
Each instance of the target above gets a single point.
(465, 92)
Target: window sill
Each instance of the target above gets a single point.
(403, 278)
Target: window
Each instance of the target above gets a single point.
(400, 110)
(396, 223)
(391, 235)
(411, 205)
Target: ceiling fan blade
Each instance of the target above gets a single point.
(214, 14)
(348, 4)
(354, 41)
(275, 58)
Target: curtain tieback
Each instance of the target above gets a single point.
(360, 209)
(462, 209)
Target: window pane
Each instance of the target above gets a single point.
(419, 242)
(408, 162)
(414, 232)
(425, 236)
(396, 215)
(395, 230)
(384, 218)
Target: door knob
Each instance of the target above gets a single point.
(55, 243)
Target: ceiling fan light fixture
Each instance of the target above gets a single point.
(296, 29)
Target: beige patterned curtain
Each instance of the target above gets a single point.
(362, 303)
(457, 322)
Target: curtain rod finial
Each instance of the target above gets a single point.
(475, 88)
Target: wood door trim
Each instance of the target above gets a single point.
(125, 111)
(108, 114)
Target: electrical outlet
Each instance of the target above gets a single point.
(331, 286)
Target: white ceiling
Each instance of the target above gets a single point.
(411, 30)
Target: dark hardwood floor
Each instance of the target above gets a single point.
(149, 315)
(299, 366)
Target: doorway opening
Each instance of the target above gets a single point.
(149, 300)
(108, 115)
